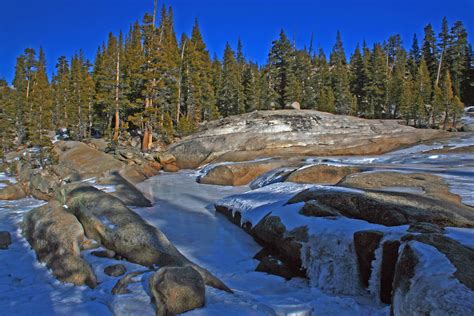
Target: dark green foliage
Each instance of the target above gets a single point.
(147, 83)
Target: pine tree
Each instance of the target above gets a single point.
(426, 110)
(458, 56)
(359, 80)
(377, 89)
(340, 78)
(249, 88)
(414, 56)
(228, 96)
(447, 97)
(280, 66)
(443, 44)
(41, 101)
(21, 85)
(7, 117)
(430, 52)
(60, 86)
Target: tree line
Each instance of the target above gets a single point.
(148, 83)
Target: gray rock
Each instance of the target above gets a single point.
(104, 253)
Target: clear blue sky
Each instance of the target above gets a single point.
(62, 27)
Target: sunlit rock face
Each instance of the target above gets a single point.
(289, 133)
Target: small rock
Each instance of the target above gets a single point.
(293, 106)
(5, 240)
(170, 168)
(177, 290)
(165, 158)
(104, 253)
(272, 265)
(115, 270)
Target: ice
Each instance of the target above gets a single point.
(433, 288)
(464, 236)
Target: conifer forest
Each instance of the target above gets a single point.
(149, 82)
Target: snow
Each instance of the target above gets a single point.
(102, 187)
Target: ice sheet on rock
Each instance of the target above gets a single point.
(465, 236)
(102, 187)
(255, 205)
(270, 177)
(433, 287)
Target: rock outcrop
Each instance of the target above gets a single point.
(56, 237)
(289, 133)
(107, 220)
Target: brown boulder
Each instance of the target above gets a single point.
(12, 192)
(56, 237)
(176, 290)
(240, 173)
(321, 174)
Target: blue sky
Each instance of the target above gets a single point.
(62, 27)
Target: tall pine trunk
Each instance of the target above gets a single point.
(117, 114)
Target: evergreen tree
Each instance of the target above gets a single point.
(60, 86)
(377, 88)
(430, 52)
(340, 78)
(443, 44)
(228, 96)
(41, 101)
(414, 56)
(280, 64)
(249, 88)
(359, 80)
(458, 56)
